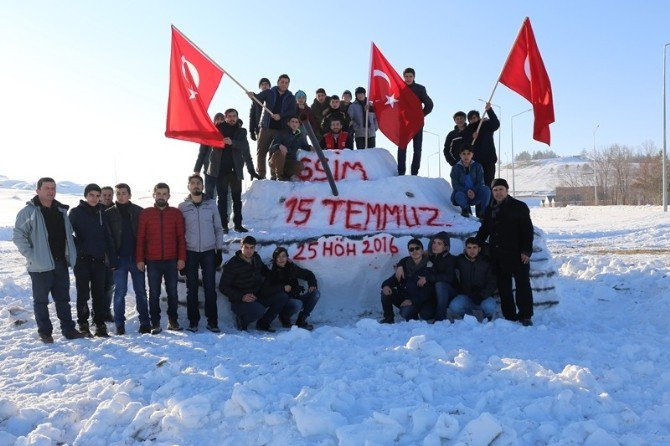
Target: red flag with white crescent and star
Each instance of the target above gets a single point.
(399, 112)
(524, 73)
(194, 79)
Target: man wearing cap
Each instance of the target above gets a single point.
(357, 113)
(281, 103)
(483, 147)
(256, 110)
(243, 282)
(43, 235)
(509, 230)
(417, 141)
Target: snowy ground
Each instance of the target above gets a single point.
(593, 370)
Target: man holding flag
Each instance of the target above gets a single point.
(427, 104)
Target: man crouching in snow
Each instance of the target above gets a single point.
(412, 293)
(43, 235)
(243, 282)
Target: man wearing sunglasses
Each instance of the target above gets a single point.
(411, 294)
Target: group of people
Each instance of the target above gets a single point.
(434, 284)
(121, 239)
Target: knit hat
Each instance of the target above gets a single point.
(360, 90)
(499, 182)
(264, 79)
(442, 235)
(278, 251)
(300, 93)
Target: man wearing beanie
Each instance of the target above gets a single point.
(509, 230)
(256, 110)
(357, 112)
(304, 111)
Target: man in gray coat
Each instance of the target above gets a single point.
(204, 237)
(43, 235)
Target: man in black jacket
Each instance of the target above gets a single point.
(93, 251)
(509, 230)
(256, 110)
(455, 140)
(477, 283)
(420, 92)
(483, 147)
(243, 282)
(411, 294)
(123, 220)
(202, 162)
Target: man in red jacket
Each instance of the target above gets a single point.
(161, 247)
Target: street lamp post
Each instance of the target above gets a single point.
(439, 160)
(499, 133)
(595, 177)
(512, 133)
(665, 180)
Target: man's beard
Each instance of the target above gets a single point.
(161, 203)
(196, 193)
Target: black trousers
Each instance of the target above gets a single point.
(511, 268)
(89, 275)
(223, 183)
(489, 173)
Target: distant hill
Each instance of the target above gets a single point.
(537, 178)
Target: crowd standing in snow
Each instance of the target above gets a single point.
(105, 241)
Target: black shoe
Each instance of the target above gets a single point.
(145, 329)
(241, 228)
(47, 339)
(526, 322)
(155, 329)
(193, 328)
(101, 331)
(174, 326)
(85, 330)
(109, 318)
(285, 321)
(74, 334)
(240, 325)
(387, 320)
(466, 214)
(120, 331)
(213, 328)
(302, 323)
(264, 326)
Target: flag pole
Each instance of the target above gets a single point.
(367, 102)
(499, 76)
(220, 68)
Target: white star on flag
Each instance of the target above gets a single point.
(390, 100)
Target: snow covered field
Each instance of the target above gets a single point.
(593, 370)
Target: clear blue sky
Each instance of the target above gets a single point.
(86, 83)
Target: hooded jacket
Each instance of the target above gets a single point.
(202, 225)
(32, 239)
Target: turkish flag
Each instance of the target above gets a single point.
(399, 112)
(524, 73)
(194, 79)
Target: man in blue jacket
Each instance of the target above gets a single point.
(204, 236)
(43, 235)
(467, 180)
(411, 294)
(94, 250)
(284, 161)
(281, 102)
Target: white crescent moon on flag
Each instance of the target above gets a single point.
(186, 64)
(381, 74)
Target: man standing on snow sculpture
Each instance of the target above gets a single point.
(509, 230)
(420, 92)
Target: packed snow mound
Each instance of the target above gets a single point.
(351, 241)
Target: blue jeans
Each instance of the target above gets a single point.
(210, 186)
(195, 261)
(309, 300)
(157, 270)
(481, 200)
(127, 266)
(417, 141)
(56, 282)
(426, 310)
(462, 305)
(444, 292)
